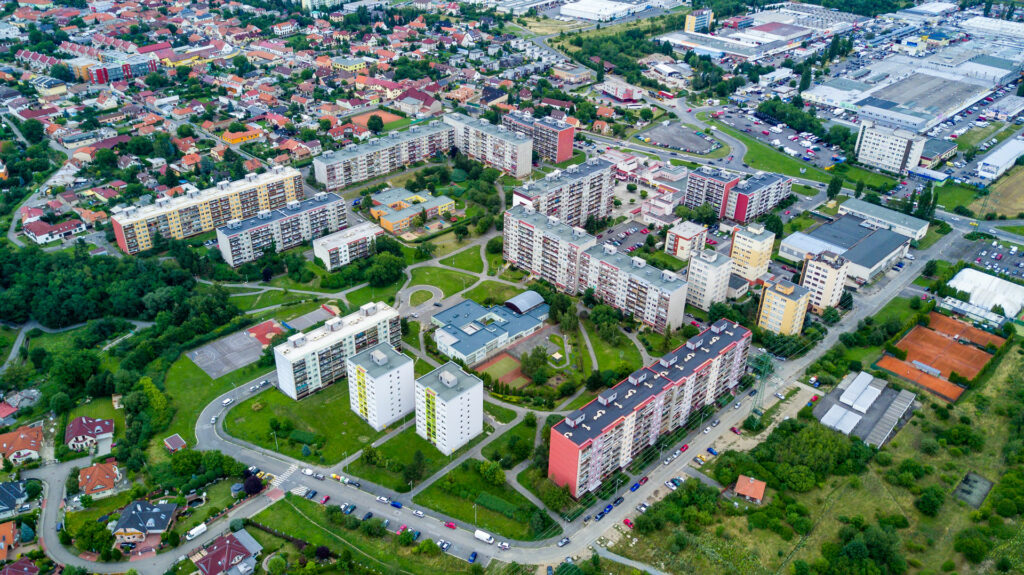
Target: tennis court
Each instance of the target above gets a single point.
(942, 352)
(955, 328)
(940, 387)
(504, 368)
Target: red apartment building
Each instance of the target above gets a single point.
(605, 435)
(552, 139)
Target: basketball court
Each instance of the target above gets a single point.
(504, 368)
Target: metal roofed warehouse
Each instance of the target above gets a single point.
(988, 291)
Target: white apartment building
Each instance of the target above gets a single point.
(824, 275)
(449, 407)
(751, 251)
(891, 149)
(359, 162)
(652, 296)
(381, 385)
(242, 241)
(308, 362)
(495, 146)
(340, 248)
(545, 247)
(685, 239)
(708, 279)
(573, 194)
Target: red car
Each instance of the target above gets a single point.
(689, 109)
(644, 231)
(712, 242)
(814, 398)
(644, 480)
(787, 212)
(695, 323)
(449, 525)
(736, 431)
(627, 522)
(684, 448)
(402, 529)
(325, 500)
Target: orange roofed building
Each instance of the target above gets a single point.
(22, 444)
(750, 489)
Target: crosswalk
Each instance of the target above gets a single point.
(284, 476)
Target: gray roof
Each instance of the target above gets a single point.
(936, 146)
(379, 359)
(382, 143)
(468, 326)
(850, 237)
(525, 301)
(638, 268)
(146, 517)
(875, 248)
(748, 232)
(885, 214)
(576, 236)
(316, 202)
(486, 127)
(449, 381)
(560, 178)
(12, 494)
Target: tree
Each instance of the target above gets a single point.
(461, 232)
(931, 500)
(375, 124)
(492, 473)
(60, 403)
(71, 483)
(930, 268)
(277, 565)
(34, 488)
(495, 245)
(805, 79)
(93, 536)
(835, 185)
(241, 64)
(425, 250)
(385, 270)
(831, 316)
(252, 485)
(32, 129)
(773, 223)
(646, 114)
(860, 189)
(322, 553)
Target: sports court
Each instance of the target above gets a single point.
(386, 117)
(955, 328)
(940, 387)
(504, 368)
(224, 355)
(943, 352)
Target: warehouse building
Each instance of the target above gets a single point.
(997, 162)
(865, 407)
(871, 251)
(879, 217)
(599, 10)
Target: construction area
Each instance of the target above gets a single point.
(946, 346)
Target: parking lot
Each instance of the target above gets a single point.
(224, 355)
(1000, 257)
(678, 137)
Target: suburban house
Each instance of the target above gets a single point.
(8, 539)
(233, 554)
(12, 496)
(98, 481)
(43, 233)
(23, 566)
(750, 489)
(22, 444)
(83, 432)
(142, 518)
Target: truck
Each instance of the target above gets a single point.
(195, 532)
(665, 95)
(484, 536)
(775, 129)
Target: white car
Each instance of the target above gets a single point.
(227, 402)
(504, 546)
(738, 405)
(707, 430)
(417, 513)
(307, 471)
(383, 499)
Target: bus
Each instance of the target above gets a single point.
(663, 95)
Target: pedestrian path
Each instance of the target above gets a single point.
(284, 476)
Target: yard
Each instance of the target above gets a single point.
(74, 520)
(308, 521)
(326, 414)
(101, 408)
(799, 223)
(367, 293)
(468, 259)
(448, 281)
(952, 195)
(832, 210)
(612, 356)
(492, 291)
(218, 497)
(498, 448)
(473, 500)
(399, 451)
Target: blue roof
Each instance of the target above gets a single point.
(473, 326)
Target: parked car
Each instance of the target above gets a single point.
(325, 499)
(618, 501)
(627, 522)
(634, 487)
(417, 513)
(472, 557)
(368, 516)
(735, 430)
(644, 480)
(563, 541)
(449, 525)
(382, 499)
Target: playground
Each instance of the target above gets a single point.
(504, 368)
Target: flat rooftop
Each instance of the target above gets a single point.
(375, 145)
(500, 132)
(560, 178)
(637, 267)
(379, 359)
(318, 201)
(348, 235)
(449, 381)
(550, 226)
(881, 213)
(644, 384)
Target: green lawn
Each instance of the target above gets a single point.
(446, 244)
(662, 260)
(7, 337)
(101, 408)
(799, 223)
(762, 157)
(496, 449)
(53, 342)
(952, 195)
(612, 356)
(578, 157)
(448, 281)
(941, 266)
(494, 263)
(366, 294)
(421, 368)
(499, 413)
(856, 174)
(420, 296)
(466, 499)
(583, 399)
(929, 238)
(413, 337)
(74, 520)
(400, 450)
(805, 190)
(1019, 230)
(307, 520)
(834, 210)
(218, 497)
(468, 259)
(190, 390)
(327, 414)
(397, 124)
(975, 136)
(266, 299)
(491, 291)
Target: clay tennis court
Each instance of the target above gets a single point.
(944, 389)
(943, 352)
(386, 117)
(952, 327)
(504, 368)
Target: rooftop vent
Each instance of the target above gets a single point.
(379, 357)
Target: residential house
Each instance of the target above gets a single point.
(23, 566)
(750, 489)
(83, 432)
(99, 480)
(231, 554)
(8, 539)
(42, 233)
(22, 444)
(174, 443)
(12, 496)
(142, 518)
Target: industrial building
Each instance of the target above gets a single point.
(449, 407)
(998, 161)
(605, 435)
(685, 239)
(880, 217)
(552, 139)
(751, 251)
(495, 146)
(358, 162)
(381, 385)
(891, 149)
(572, 195)
(871, 251)
(199, 211)
(783, 307)
(598, 10)
(865, 407)
(242, 241)
(341, 248)
(308, 362)
(470, 333)
(988, 291)
(824, 275)
(708, 279)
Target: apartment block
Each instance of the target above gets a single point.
(756, 196)
(686, 239)
(242, 241)
(891, 149)
(824, 275)
(552, 139)
(708, 279)
(199, 211)
(449, 407)
(358, 162)
(699, 20)
(783, 307)
(709, 186)
(649, 295)
(608, 433)
(751, 251)
(573, 194)
(308, 362)
(340, 248)
(545, 247)
(381, 385)
(396, 209)
(495, 146)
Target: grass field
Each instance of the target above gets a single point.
(494, 263)
(326, 414)
(1019, 230)
(975, 136)
(500, 367)
(190, 390)
(805, 190)
(833, 210)
(266, 299)
(421, 368)
(492, 291)
(499, 413)
(612, 356)
(799, 223)
(469, 482)
(448, 281)
(307, 520)
(496, 448)
(366, 294)
(468, 259)
(952, 194)
(547, 26)
(856, 174)
(419, 296)
(400, 449)
(662, 260)
(413, 337)
(446, 244)
(53, 342)
(1005, 198)
(7, 337)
